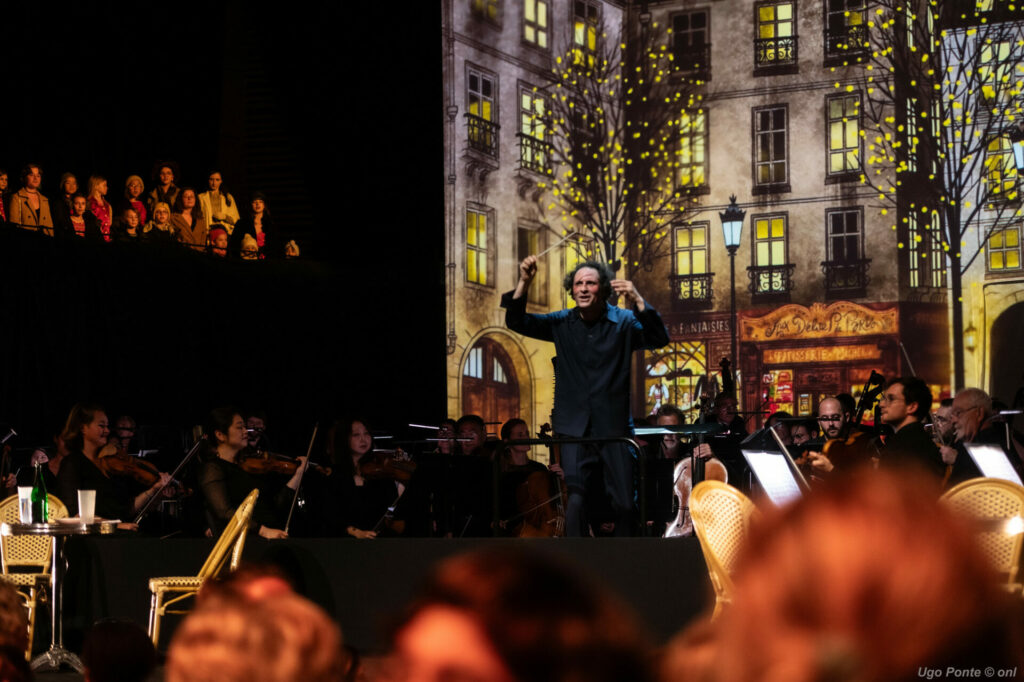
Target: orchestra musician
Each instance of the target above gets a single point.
(845, 447)
(682, 474)
(224, 484)
(594, 342)
(117, 497)
(972, 423)
(523, 497)
(906, 403)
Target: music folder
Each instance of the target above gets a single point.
(775, 475)
(993, 462)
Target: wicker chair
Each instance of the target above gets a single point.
(30, 557)
(997, 507)
(231, 540)
(721, 518)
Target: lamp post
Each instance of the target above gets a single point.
(732, 228)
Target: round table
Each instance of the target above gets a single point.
(58, 532)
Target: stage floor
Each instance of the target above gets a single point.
(365, 584)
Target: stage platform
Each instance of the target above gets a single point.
(364, 584)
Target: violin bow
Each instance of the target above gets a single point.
(302, 474)
(173, 477)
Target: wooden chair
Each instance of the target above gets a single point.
(30, 557)
(997, 507)
(721, 518)
(232, 541)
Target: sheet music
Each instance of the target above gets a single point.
(774, 475)
(993, 462)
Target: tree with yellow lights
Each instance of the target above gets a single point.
(941, 91)
(622, 114)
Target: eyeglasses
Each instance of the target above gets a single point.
(890, 398)
(957, 412)
(830, 418)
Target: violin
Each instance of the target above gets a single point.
(259, 462)
(387, 464)
(542, 512)
(115, 461)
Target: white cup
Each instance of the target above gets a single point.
(87, 505)
(25, 503)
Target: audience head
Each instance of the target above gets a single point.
(130, 218)
(255, 628)
(219, 241)
(31, 176)
(161, 213)
(186, 199)
(508, 615)
(471, 426)
(259, 202)
(165, 172)
(79, 205)
(117, 651)
(3, 180)
(97, 185)
(867, 578)
(68, 184)
(133, 187)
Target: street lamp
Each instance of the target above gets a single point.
(732, 228)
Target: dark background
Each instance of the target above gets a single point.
(346, 96)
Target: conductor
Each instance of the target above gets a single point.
(594, 343)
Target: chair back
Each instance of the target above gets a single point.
(32, 551)
(721, 519)
(992, 502)
(231, 540)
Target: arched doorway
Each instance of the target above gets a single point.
(490, 385)
(1007, 363)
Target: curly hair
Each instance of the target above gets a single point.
(605, 275)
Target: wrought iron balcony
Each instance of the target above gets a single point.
(846, 279)
(691, 292)
(483, 134)
(846, 44)
(534, 154)
(771, 282)
(775, 52)
(694, 59)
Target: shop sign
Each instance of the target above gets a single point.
(795, 356)
(819, 321)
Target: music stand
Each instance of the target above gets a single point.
(993, 462)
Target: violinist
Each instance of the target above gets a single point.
(86, 432)
(802, 431)
(355, 500)
(845, 448)
(906, 403)
(224, 484)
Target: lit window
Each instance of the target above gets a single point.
(1000, 170)
(474, 363)
(911, 136)
(770, 148)
(693, 149)
(692, 250)
(776, 42)
(535, 22)
(843, 134)
(530, 241)
(585, 20)
(996, 70)
(769, 268)
(534, 133)
(478, 235)
(1004, 249)
(845, 27)
(485, 9)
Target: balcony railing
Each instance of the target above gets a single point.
(773, 52)
(534, 154)
(771, 282)
(846, 44)
(846, 279)
(483, 135)
(694, 59)
(691, 292)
